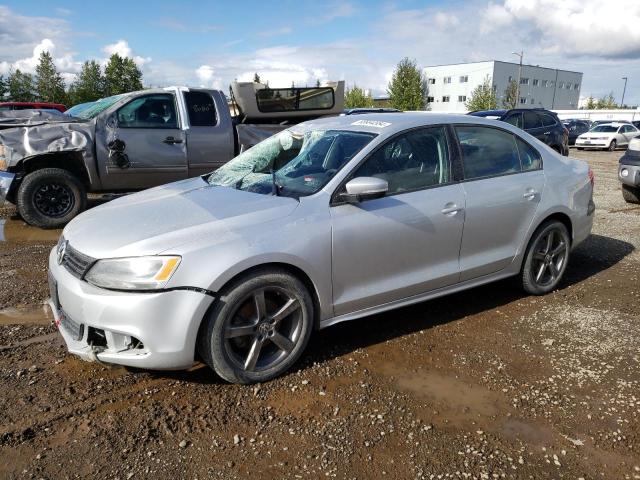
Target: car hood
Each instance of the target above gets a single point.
(161, 218)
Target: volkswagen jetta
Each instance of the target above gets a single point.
(328, 221)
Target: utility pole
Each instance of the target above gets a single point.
(521, 54)
(623, 91)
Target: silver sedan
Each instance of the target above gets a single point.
(328, 221)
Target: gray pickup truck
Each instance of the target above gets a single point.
(629, 172)
(139, 140)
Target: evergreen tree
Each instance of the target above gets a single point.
(407, 88)
(256, 78)
(317, 82)
(49, 83)
(21, 87)
(3, 88)
(483, 97)
(607, 102)
(90, 84)
(122, 75)
(357, 98)
(591, 103)
(510, 99)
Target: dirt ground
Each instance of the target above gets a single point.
(488, 383)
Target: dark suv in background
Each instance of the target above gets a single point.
(542, 124)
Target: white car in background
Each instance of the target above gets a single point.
(607, 135)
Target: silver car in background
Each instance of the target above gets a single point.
(328, 221)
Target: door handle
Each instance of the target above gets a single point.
(451, 209)
(530, 194)
(171, 140)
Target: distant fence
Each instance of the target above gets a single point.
(600, 114)
(593, 115)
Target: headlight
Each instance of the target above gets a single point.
(135, 273)
(624, 172)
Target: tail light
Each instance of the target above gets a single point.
(591, 176)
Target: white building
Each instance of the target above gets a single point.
(449, 86)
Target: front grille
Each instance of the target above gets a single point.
(76, 263)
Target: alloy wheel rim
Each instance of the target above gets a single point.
(549, 258)
(264, 329)
(53, 199)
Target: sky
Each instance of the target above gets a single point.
(360, 41)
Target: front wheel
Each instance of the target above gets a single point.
(259, 327)
(546, 258)
(631, 194)
(50, 198)
(613, 145)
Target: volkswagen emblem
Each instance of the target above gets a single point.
(62, 248)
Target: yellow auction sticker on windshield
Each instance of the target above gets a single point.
(371, 123)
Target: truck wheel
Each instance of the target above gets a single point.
(50, 198)
(631, 194)
(258, 328)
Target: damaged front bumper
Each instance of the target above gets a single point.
(155, 330)
(6, 179)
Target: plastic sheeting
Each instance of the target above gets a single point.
(251, 134)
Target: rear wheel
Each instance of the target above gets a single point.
(50, 198)
(613, 145)
(259, 327)
(631, 194)
(546, 259)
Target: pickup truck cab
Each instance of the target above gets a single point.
(141, 139)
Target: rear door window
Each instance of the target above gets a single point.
(487, 152)
(548, 120)
(531, 120)
(201, 109)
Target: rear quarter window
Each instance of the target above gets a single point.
(201, 109)
(487, 152)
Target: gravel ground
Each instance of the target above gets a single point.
(485, 384)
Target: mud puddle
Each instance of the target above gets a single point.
(48, 337)
(32, 316)
(17, 231)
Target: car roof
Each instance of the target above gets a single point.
(390, 123)
(488, 113)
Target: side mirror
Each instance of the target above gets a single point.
(364, 188)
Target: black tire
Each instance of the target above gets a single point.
(613, 145)
(226, 344)
(631, 194)
(67, 199)
(539, 280)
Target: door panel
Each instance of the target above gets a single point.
(395, 247)
(499, 212)
(147, 142)
(209, 136)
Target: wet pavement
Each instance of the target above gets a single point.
(487, 383)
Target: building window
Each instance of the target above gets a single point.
(576, 86)
(447, 79)
(523, 100)
(445, 98)
(464, 78)
(535, 82)
(551, 83)
(462, 98)
(431, 81)
(510, 79)
(531, 100)
(545, 83)
(429, 99)
(569, 86)
(524, 81)
(561, 85)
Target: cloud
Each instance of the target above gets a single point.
(65, 63)
(274, 32)
(334, 11)
(122, 48)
